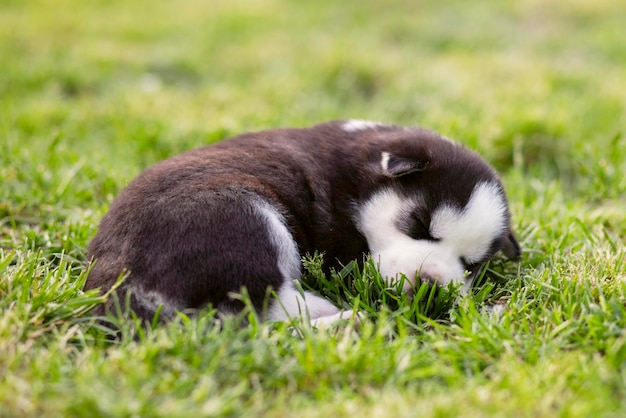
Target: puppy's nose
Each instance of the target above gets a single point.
(428, 278)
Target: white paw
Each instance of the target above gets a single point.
(327, 321)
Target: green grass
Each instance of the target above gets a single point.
(92, 92)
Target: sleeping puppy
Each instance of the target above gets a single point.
(196, 228)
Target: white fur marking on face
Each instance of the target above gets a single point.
(394, 251)
(470, 231)
(355, 125)
(378, 216)
(464, 233)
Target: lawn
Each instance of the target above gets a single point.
(93, 92)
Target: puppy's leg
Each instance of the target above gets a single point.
(292, 303)
(325, 321)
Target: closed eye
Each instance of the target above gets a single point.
(419, 229)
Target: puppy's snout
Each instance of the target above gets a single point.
(428, 278)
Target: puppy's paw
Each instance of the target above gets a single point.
(325, 322)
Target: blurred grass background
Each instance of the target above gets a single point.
(93, 92)
(542, 75)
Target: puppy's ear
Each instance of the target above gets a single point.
(512, 248)
(396, 166)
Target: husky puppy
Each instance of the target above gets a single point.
(194, 229)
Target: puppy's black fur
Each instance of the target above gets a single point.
(188, 230)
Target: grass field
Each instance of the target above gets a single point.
(93, 92)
